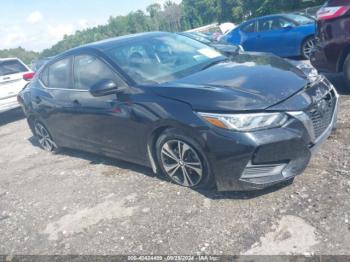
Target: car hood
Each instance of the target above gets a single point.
(244, 82)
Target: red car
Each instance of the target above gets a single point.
(332, 52)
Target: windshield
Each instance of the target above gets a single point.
(300, 19)
(163, 58)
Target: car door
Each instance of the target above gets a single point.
(249, 37)
(104, 124)
(277, 35)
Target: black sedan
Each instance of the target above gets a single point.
(203, 118)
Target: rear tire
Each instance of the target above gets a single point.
(346, 71)
(181, 159)
(44, 137)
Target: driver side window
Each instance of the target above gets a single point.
(89, 70)
(275, 23)
(269, 25)
(249, 28)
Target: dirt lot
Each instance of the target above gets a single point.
(77, 203)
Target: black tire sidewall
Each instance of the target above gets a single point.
(303, 44)
(173, 134)
(346, 71)
(55, 149)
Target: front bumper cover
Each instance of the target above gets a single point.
(251, 161)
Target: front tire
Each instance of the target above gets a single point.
(44, 138)
(182, 160)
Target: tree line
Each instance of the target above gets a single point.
(174, 17)
(26, 56)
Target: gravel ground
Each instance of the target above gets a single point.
(78, 203)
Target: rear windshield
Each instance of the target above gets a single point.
(10, 67)
(331, 3)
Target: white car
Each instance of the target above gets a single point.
(14, 75)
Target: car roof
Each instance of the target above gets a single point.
(112, 42)
(108, 43)
(9, 59)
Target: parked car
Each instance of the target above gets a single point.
(332, 51)
(163, 100)
(14, 75)
(229, 50)
(219, 45)
(285, 35)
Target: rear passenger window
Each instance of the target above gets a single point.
(89, 70)
(59, 74)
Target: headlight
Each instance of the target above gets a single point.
(246, 122)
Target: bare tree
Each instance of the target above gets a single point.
(172, 14)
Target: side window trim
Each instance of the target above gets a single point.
(46, 68)
(71, 76)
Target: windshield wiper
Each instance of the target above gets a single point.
(212, 63)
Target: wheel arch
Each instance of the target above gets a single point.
(31, 121)
(151, 145)
(341, 60)
(158, 131)
(307, 37)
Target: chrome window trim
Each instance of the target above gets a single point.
(64, 89)
(72, 72)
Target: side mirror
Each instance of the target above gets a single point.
(104, 88)
(288, 27)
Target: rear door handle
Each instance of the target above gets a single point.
(37, 100)
(76, 103)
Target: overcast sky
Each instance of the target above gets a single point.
(38, 24)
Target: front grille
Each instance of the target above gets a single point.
(321, 113)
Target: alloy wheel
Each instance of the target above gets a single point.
(44, 138)
(182, 163)
(308, 47)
